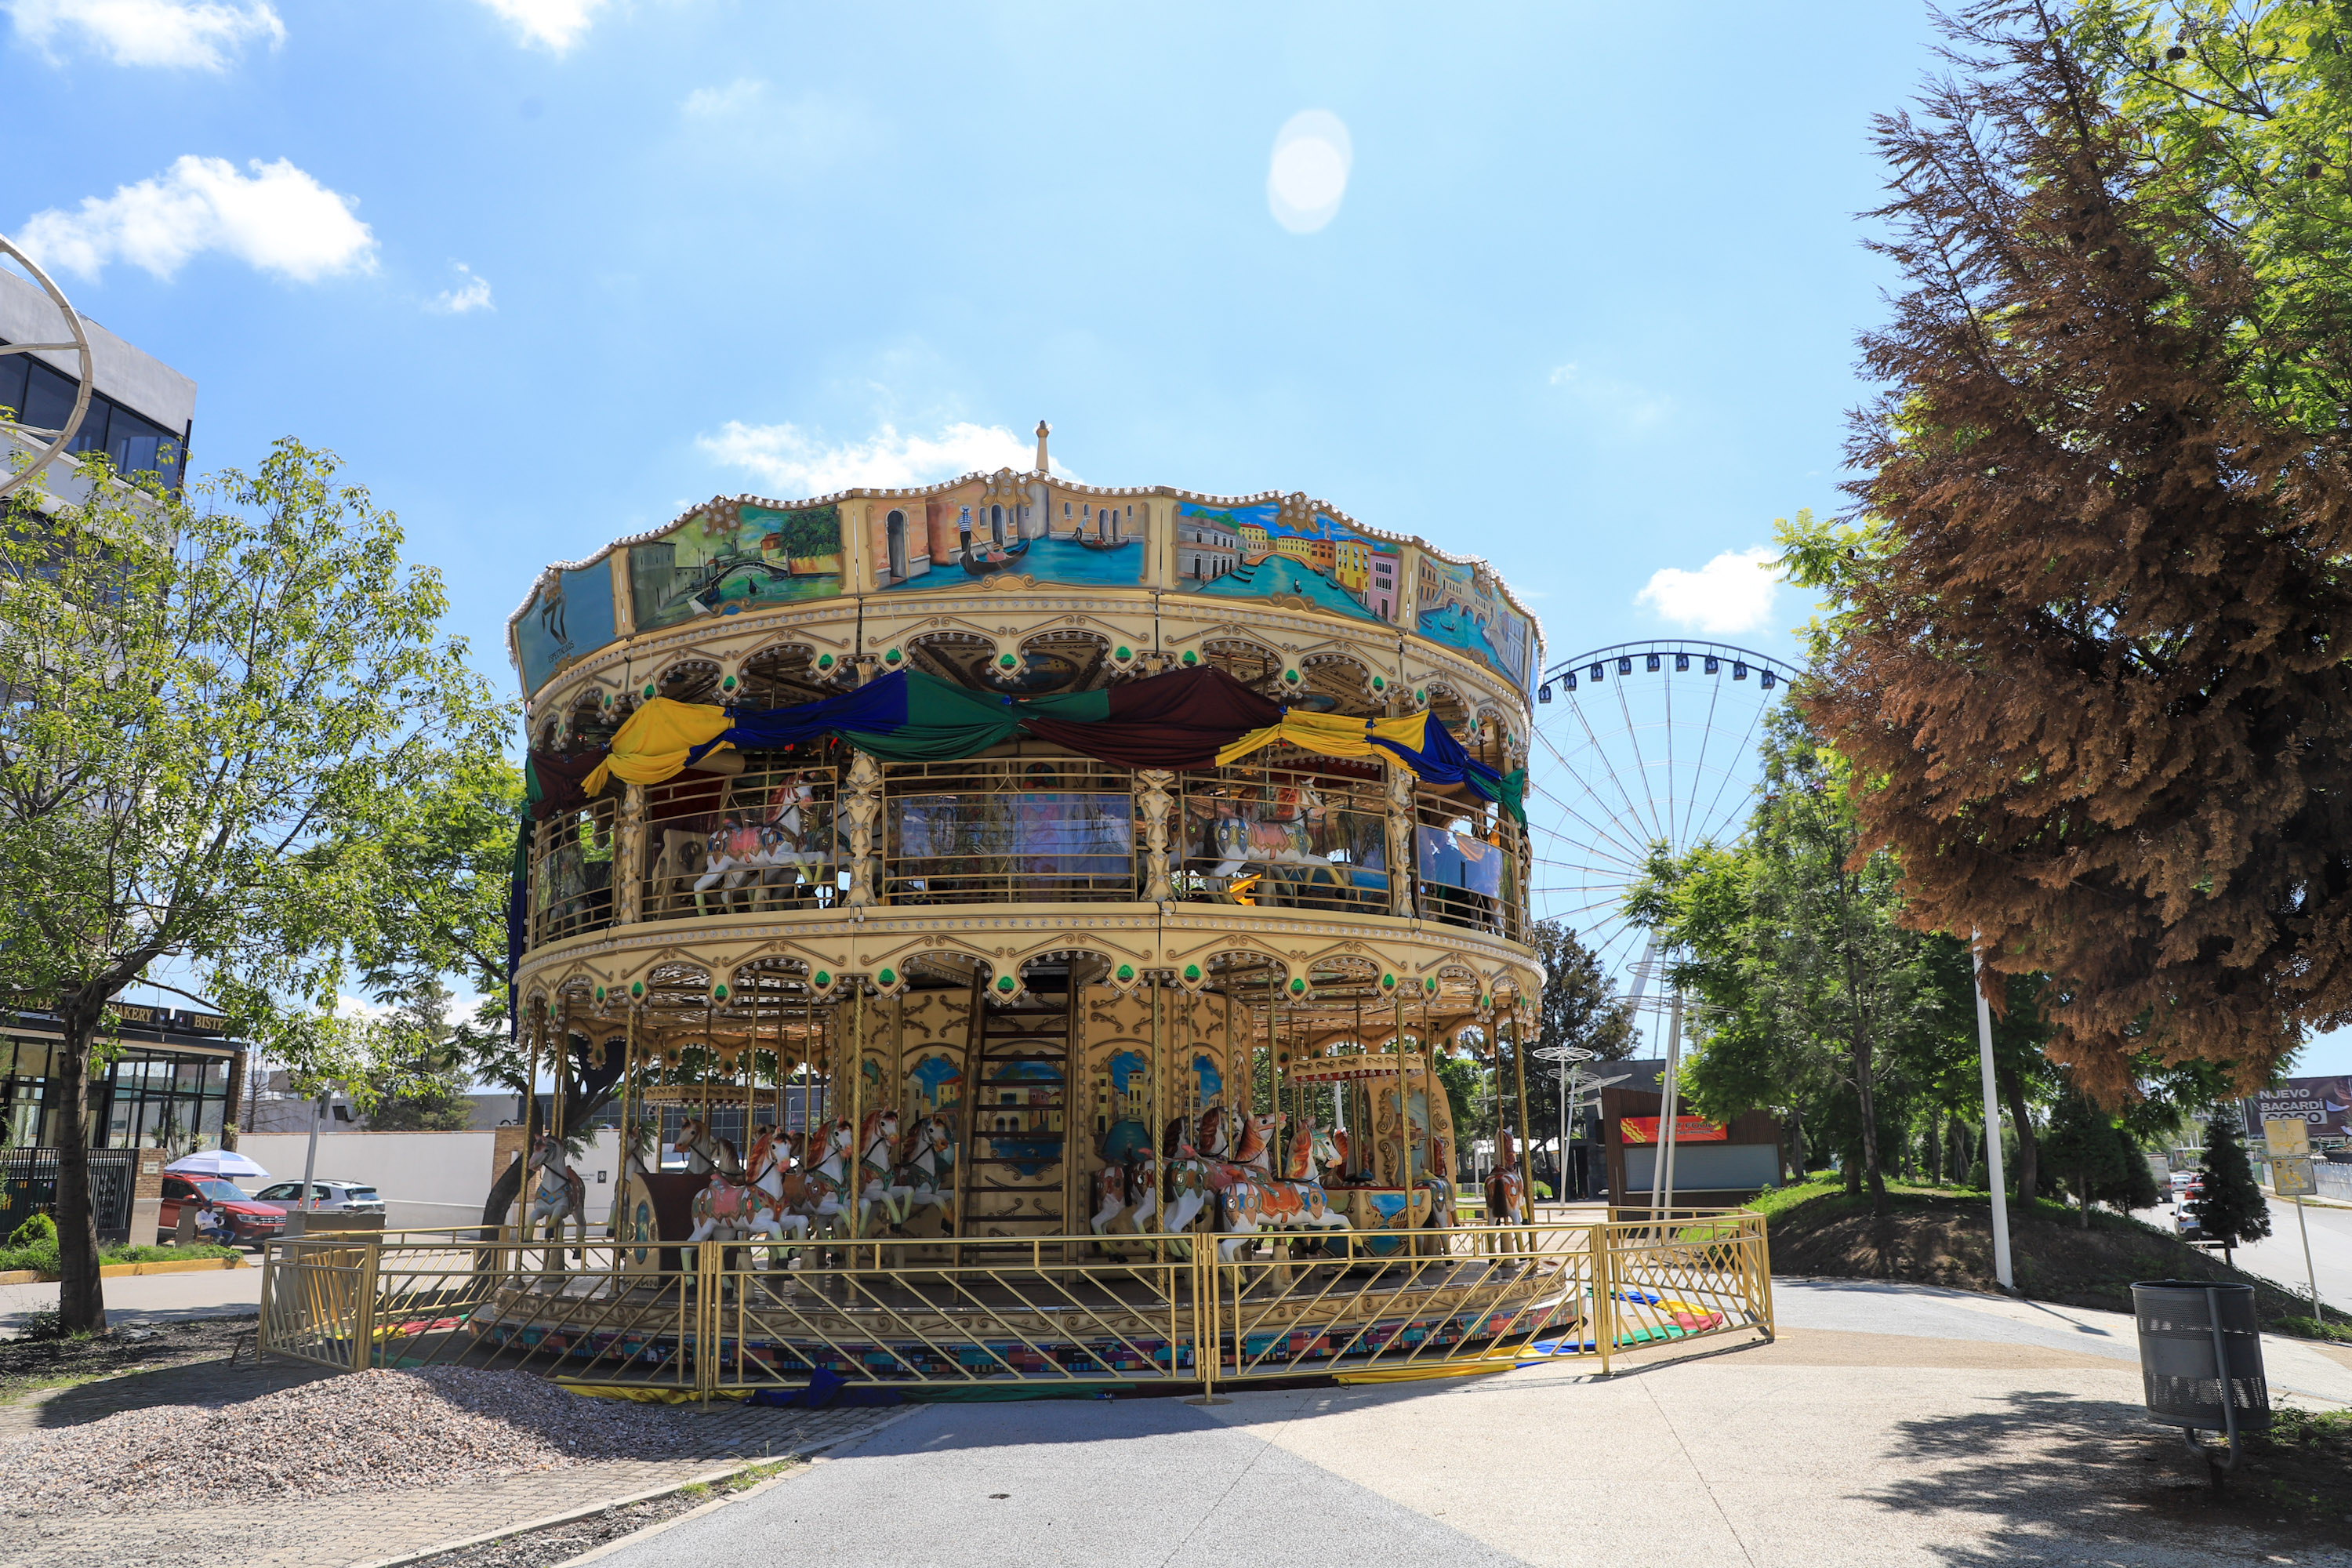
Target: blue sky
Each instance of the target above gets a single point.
(545, 271)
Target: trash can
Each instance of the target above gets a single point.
(2200, 1357)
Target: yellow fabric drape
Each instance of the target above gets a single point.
(1333, 735)
(652, 745)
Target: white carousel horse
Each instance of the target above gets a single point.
(706, 1151)
(1185, 1190)
(561, 1195)
(1128, 1185)
(1254, 1201)
(929, 1176)
(760, 1205)
(752, 853)
(827, 1177)
(1272, 840)
(879, 1170)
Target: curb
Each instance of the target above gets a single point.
(589, 1510)
(124, 1270)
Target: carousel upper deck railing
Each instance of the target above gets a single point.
(1283, 831)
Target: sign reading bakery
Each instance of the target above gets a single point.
(2324, 1104)
(1688, 1130)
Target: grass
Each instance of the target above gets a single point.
(43, 1254)
(2310, 1328)
(1943, 1235)
(2299, 1465)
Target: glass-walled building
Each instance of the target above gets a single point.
(169, 1086)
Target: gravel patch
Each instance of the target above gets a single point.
(371, 1432)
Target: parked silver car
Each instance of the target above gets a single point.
(345, 1198)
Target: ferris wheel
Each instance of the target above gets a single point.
(1637, 745)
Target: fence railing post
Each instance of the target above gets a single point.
(707, 1262)
(363, 1309)
(1604, 1294)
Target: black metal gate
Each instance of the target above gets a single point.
(28, 1185)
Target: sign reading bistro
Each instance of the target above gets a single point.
(1688, 1130)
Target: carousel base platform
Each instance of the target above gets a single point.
(1311, 1318)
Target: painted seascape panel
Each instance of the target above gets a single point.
(731, 558)
(1464, 608)
(1258, 553)
(570, 615)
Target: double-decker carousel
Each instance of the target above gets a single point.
(1024, 884)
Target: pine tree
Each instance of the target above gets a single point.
(2229, 1208)
(2085, 638)
(2081, 1145)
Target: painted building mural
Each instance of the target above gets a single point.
(1262, 553)
(1463, 607)
(730, 557)
(569, 614)
(985, 527)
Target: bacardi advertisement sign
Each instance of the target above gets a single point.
(2323, 1104)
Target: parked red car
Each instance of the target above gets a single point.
(253, 1222)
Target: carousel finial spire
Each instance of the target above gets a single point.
(1044, 430)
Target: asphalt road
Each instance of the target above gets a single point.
(2279, 1256)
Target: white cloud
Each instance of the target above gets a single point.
(737, 97)
(1307, 175)
(795, 464)
(277, 218)
(558, 24)
(472, 294)
(1732, 593)
(195, 34)
(1618, 403)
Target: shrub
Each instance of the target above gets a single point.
(33, 1231)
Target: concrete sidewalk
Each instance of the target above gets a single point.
(1955, 1432)
(212, 1293)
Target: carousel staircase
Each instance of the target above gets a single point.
(1018, 1075)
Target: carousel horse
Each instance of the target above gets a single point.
(1283, 836)
(825, 1178)
(746, 854)
(1128, 1184)
(1260, 1202)
(1505, 1194)
(1185, 1190)
(561, 1195)
(879, 1170)
(928, 1178)
(1331, 1152)
(706, 1151)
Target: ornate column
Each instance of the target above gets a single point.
(1151, 806)
(629, 858)
(861, 803)
(1404, 850)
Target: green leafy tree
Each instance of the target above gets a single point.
(203, 689)
(2229, 1207)
(432, 1097)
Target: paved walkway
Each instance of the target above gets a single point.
(1947, 1434)
(211, 1293)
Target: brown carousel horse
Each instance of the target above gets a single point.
(1506, 1193)
(1251, 1199)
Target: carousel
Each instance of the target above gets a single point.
(1047, 889)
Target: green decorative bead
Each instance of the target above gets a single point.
(1420, 696)
(1124, 653)
(823, 980)
(1290, 676)
(600, 994)
(719, 991)
(1379, 685)
(1005, 660)
(727, 684)
(1190, 657)
(1005, 983)
(891, 657)
(1297, 987)
(636, 987)
(1126, 971)
(1192, 971)
(889, 977)
(824, 661)
(1430, 984)
(650, 690)
(1388, 982)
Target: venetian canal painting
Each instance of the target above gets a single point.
(1255, 553)
(732, 558)
(569, 615)
(971, 533)
(1463, 608)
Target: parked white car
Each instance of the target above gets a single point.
(345, 1198)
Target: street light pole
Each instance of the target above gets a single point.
(1993, 1177)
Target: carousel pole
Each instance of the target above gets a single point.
(562, 1056)
(856, 1173)
(531, 1030)
(1519, 1072)
(615, 1217)
(1429, 1093)
(1159, 1120)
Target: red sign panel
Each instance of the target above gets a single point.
(1688, 1130)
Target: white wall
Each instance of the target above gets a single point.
(426, 1178)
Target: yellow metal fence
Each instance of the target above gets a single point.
(931, 1317)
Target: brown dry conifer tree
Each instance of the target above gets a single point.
(2088, 631)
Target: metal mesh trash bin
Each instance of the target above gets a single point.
(2200, 1357)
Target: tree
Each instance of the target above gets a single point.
(1792, 941)
(2089, 1150)
(422, 1040)
(201, 689)
(1578, 1011)
(2229, 1208)
(2085, 632)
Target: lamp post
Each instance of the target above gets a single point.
(1568, 1063)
